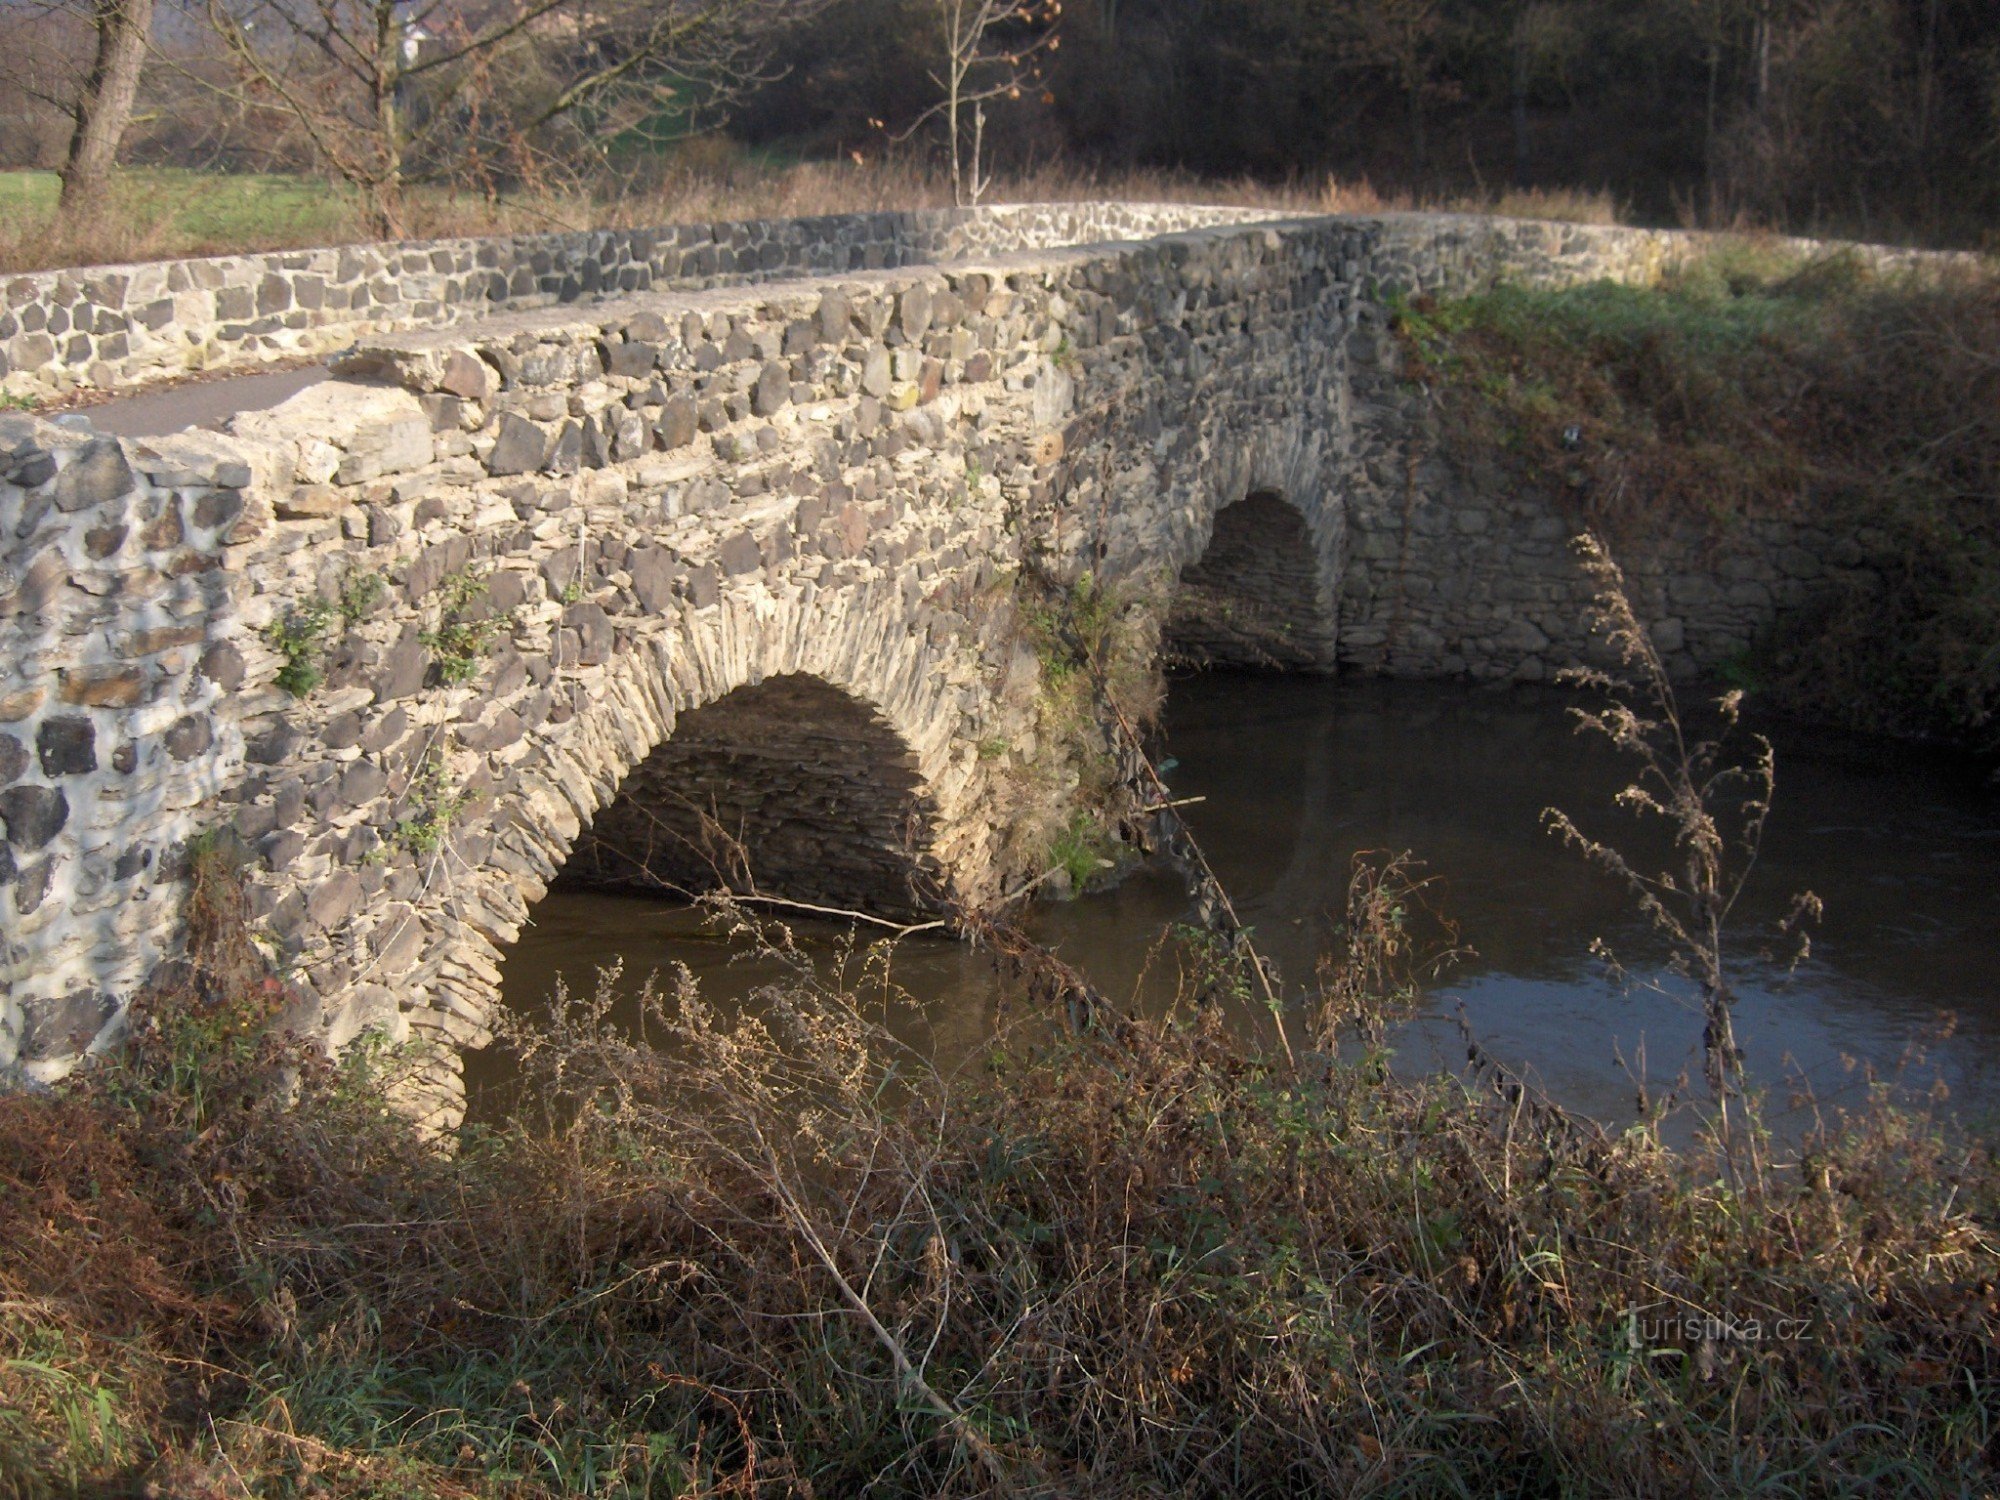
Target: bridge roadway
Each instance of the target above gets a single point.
(615, 590)
(207, 404)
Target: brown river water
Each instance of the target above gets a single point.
(1298, 774)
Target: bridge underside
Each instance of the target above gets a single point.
(788, 787)
(1255, 598)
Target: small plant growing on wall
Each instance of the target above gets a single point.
(359, 594)
(460, 643)
(300, 635)
(433, 802)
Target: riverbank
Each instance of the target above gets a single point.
(782, 1255)
(1751, 386)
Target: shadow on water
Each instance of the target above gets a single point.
(1297, 775)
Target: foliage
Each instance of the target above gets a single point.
(433, 802)
(779, 1253)
(1074, 629)
(462, 638)
(299, 636)
(1081, 849)
(1753, 384)
(359, 594)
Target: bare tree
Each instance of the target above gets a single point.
(387, 90)
(104, 103)
(81, 60)
(991, 51)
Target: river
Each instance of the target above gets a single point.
(1296, 774)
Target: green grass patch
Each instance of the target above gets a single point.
(221, 210)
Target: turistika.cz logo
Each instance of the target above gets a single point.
(1658, 1324)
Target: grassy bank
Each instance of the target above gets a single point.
(163, 213)
(784, 1256)
(1755, 384)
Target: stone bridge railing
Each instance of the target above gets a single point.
(493, 600)
(115, 326)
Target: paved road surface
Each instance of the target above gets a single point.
(199, 403)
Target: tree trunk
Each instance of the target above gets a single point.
(1523, 73)
(385, 187)
(1419, 146)
(104, 106)
(951, 140)
(382, 202)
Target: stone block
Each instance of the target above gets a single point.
(96, 475)
(32, 815)
(519, 448)
(116, 686)
(66, 745)
(632, 360)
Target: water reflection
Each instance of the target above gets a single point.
(1299, 774)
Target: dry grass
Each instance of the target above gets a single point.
(778, 1254)
(169, 215)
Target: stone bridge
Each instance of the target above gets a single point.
(608, 587)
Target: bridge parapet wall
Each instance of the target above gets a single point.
(108, 326)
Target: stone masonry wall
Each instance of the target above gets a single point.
(495, 563)
(1457, 570)
(109, 326)
(628, 511)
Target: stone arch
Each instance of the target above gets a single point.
(432, 969)
(787, 787)
(1253, 598)
(1258, 585)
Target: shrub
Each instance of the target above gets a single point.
(777, 1252)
